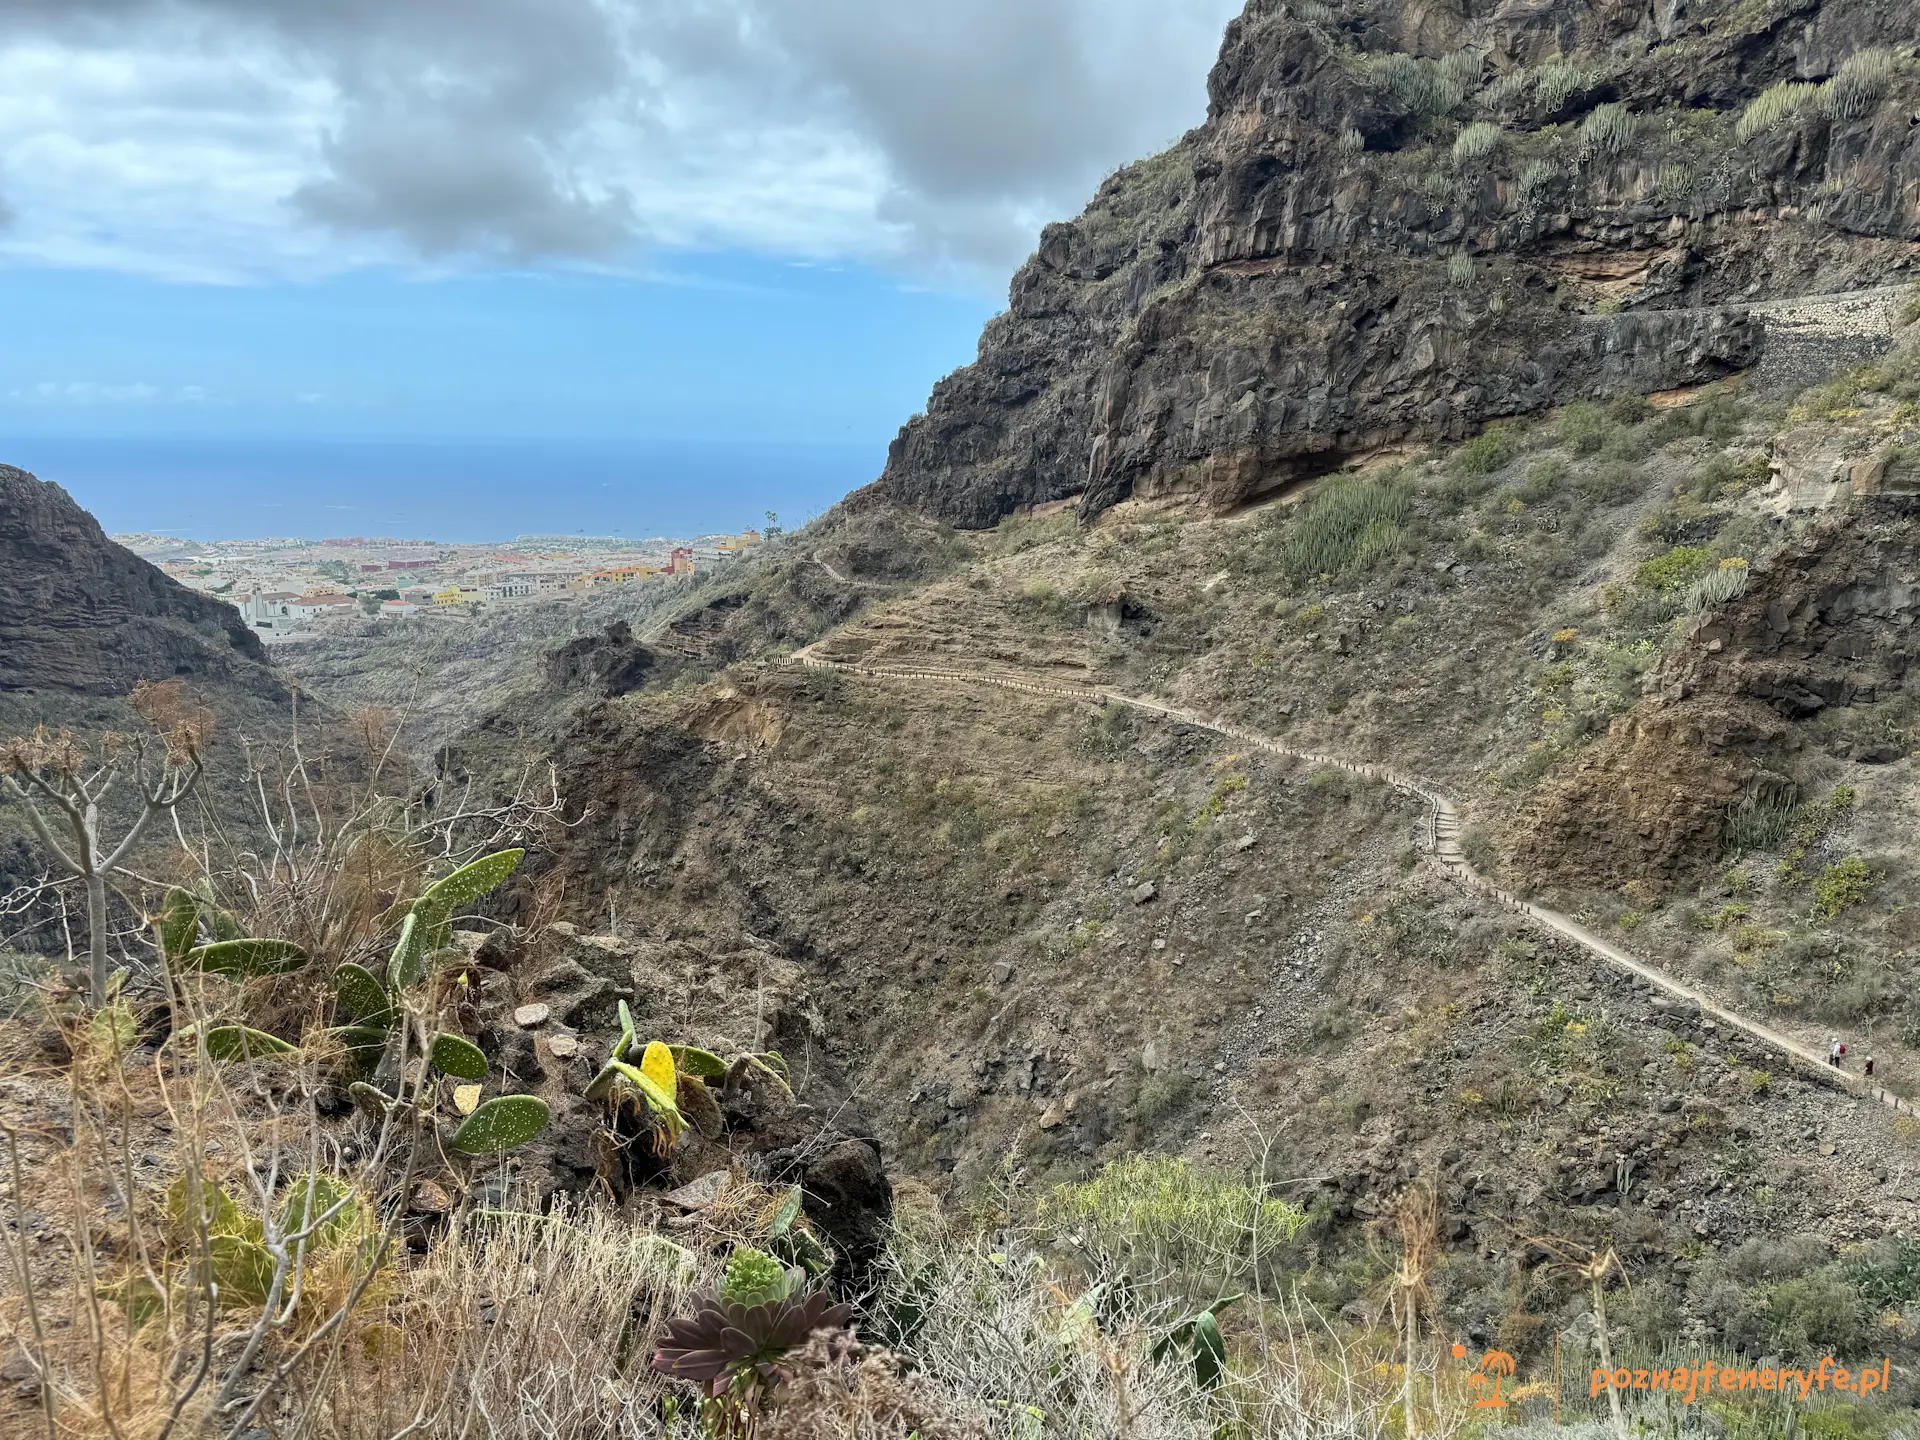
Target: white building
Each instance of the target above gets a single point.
(269, 613)
(315, 607)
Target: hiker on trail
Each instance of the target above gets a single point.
(1869, 1067)
(1834, 1051)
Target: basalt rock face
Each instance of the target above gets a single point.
(80, 615)
(1402, 220)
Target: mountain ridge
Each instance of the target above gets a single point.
(1399, 223)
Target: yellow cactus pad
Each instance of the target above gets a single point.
(657, 1065)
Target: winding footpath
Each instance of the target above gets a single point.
(1442, 845)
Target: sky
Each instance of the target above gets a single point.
(742, 228)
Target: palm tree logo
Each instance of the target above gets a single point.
(1495, 1366)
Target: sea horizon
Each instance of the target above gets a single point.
(452, 491)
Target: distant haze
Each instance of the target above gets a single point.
(470, 492)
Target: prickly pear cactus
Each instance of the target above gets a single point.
(503, 1123)
(459, 1058)
(247, 958)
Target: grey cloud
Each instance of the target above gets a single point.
(525, 128)
(988, 113)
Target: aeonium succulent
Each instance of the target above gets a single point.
(736, 1343)
(726, 1346)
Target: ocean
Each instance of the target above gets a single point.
(470, 491)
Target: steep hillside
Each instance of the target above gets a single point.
(1401, 221)
(80, 615)
(1477, 396)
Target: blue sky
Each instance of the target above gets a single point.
(721, 346)
(231, 228)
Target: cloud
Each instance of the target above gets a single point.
(93, 392)
(228, 139)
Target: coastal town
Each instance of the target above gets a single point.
(289, 588)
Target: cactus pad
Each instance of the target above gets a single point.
(239, 1042)
(459, 1058)
(503, 1123)
(409, 960)
(696, 1102)
(657, 1065)
(467, 884)
(363, 996)
(247, 958)
(702, 1064)
(179, 923)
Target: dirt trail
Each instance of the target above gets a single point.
(1442, 847)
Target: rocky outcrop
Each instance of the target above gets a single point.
(546, 1013)
(1339, 260)
(81, 615)
(1817, 653)
(612, 663)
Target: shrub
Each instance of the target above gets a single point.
(1609, 130)
(1675, 570)
(1846, 882)
(1349, 526)
(1351, 142)
(1191, 1235)
(1476, 142)
(1862, 80)
(1774, 106)
(1583, 427)
(1487, 452)
(1460, 270)
(1508, 89)
(1423, 89)
(1557, 83)
(1758, 824)
(1718, 586)
(1814, 1313)
(1725, 475)
(1535, 179)
(1887, 1276)
(1543, 477)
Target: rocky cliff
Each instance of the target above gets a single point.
(81, 615)
(1402, 220)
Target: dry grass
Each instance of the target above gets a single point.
(532, 1326)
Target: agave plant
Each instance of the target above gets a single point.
(737, 1344)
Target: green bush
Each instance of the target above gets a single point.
(1544, 476)
(1584, 427)
(1191, 1235)
(1775, 106)
(1847, 882)
(1725, 476)
(1887, 1276)
(1351, 525)
(1815, 1314)
(1759, 824)
(1864, 78)
(1675, 570)
(1557, 82)
(1476, 142)
(1487, 452)
(1608, 130)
